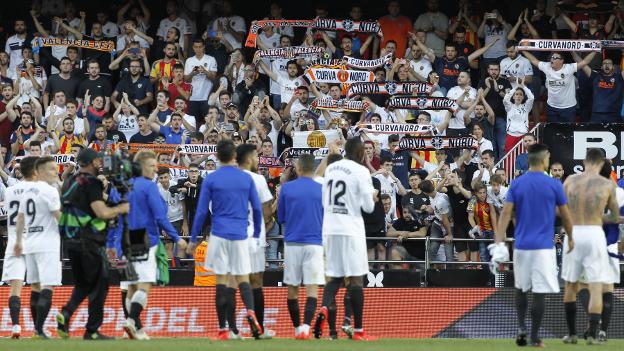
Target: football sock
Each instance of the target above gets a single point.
(357, 302)
(138, 303)
(537, 313)
(247, 296)
(293, 310)
(310, 308)
(258, 298)
(230, 309)
(221, 304)
(594, 320)
(331, 317)
(522, 304)
(329, 294)
(570, 313)
(43, 307)
(124, 295)
(583, 297)
(607, 308)
(34, 297)
(348, 310)
(14, 307)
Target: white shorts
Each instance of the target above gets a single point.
(303, 263)
(13, 268)
(257, 259)
(44, 268)
(589, 261)
(614, 265)
(147, 271)
(228, 256)
(536, 270)
(346, 256)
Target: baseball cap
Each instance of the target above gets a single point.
(86, 156)
(231, 104)
(236, 135)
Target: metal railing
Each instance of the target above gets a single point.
(508, 162)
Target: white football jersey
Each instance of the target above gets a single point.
(347, 191)
(264, 194)
(38, 203)
(11, 205)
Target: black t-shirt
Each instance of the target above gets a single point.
(459, 206)
(89, 190)
(68, 86)
(494, 99)
(375, 222)
(100, 86)
(143, 139)
(415, 200)
(415, 248)
(115, 134)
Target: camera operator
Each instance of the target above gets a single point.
(85, 192)
(149, 213)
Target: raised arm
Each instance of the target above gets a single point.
(534, 61)
(38, 25)
(427, 51)
(481, 51)
(569, 22)
(586, 61)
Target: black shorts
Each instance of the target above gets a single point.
(371, 243)
(460, 231)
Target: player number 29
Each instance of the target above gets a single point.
(30, 211)
(341, 189)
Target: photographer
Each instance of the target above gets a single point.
(86, 253)
(148, 215)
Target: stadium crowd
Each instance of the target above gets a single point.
(188, 79)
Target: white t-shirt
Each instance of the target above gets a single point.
(288, 86)
(560, 84)
(381, 138)
(110, 30)
(123, 39)
(441, 206)
(297, 106)
(79, 127)
(518, 67)
(174, 204)
(202, 86)
(128, 125)
(422, 67)
(498, 200)
(347, 191)
(454, 93)
(271, 42)
(278, 67)
(389, 187)
(179, 23)
(484, 144)
(486, 176)
(59, 111)
(11, 206)
(13, 47)
(264, 194)
(38, 203)
(238, 25)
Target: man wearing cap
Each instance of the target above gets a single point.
(233, 122)
(84, 196)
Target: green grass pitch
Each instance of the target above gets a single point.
(288, 345)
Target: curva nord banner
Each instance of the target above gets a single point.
(569, 143)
